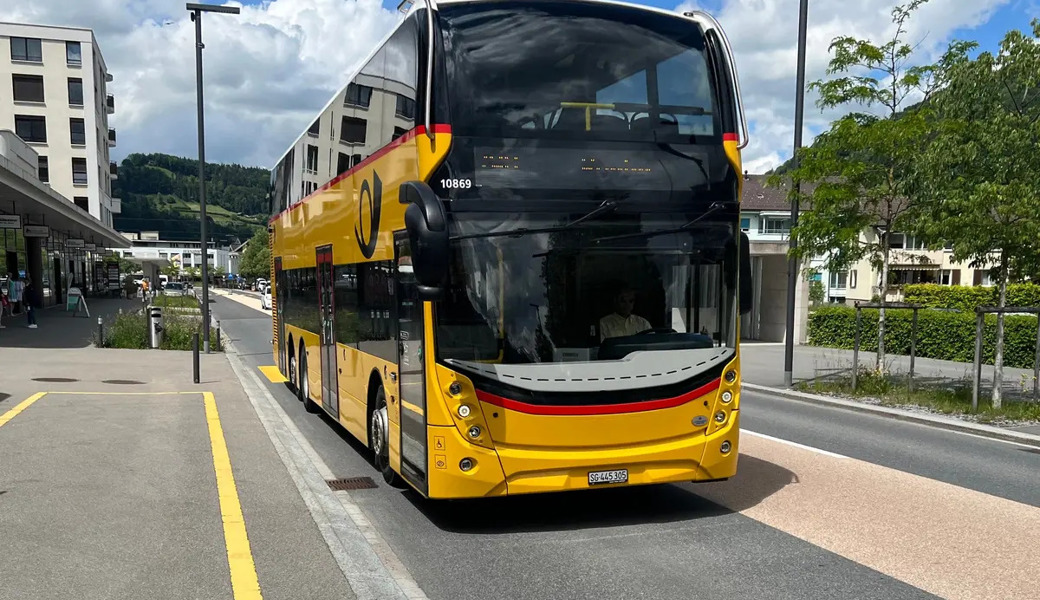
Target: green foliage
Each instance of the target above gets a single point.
(130, 330)
(164, 301)
(160, 193)
(816, 292)
(944, 335)
(256, 260)
(967, 298)
(127, 330)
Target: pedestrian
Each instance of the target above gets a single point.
(5, 308)
(14, 292)
(28, 299)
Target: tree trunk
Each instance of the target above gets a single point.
(882, 290)
(998, 358)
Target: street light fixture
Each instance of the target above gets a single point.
(792, 268)
(196, 16)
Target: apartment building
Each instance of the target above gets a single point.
(146, 245)
(54, 96)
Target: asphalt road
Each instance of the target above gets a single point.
(662, 541)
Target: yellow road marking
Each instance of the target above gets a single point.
(24, 404)
(244, 583)
(411, 407)
(272, 374)
(124, 393)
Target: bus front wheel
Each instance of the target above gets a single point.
(379, 438)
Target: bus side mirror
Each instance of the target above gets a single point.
(427, 227)
(746, 292)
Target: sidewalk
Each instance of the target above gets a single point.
(60, 329)
(120, 478)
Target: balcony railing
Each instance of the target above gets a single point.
(113, 169)
(110, 104)
(117, 206)
(111, 137)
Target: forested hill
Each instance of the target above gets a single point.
(160, 193)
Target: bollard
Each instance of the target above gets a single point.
(218, 346)
(980, 321)
(155, 326)
(100, 334)
(195, 356)
(913, 352)
(855, 352)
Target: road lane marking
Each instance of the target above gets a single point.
(795, 444)
(244, 583)
(412, 407)
(272, 374)
(24, 404)
(124, 393)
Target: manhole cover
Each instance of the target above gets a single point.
(351, 483)
(122, 381)
(54, 379)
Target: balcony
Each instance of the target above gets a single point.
(111, 138)
(116, 206)
(108, 77)
(110, 104)
(113, 170)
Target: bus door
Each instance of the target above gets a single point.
(279, 312)
(327, 312)
(411, 386)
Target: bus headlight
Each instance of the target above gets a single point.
(464, 410)
(725, 447)
(474, 432)
(731, 376)
(727, 397)
(466, 464)
(455, 388)
(720, 417)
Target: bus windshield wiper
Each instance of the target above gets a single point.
(605, 207)
(714, 207)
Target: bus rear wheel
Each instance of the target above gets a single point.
(379, 439)
(304, 387)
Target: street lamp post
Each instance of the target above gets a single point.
(196, 16)
(792, 268)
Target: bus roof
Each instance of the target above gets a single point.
(419, 5)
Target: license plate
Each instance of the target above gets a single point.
(615, 476)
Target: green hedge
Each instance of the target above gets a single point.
(967, 297)
(940, 334)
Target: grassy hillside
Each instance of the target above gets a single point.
(160, 193)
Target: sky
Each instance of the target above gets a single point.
(270, 70)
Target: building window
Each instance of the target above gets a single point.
(900, 241)
(83, 203)
(983, 277)
(79, 171)
(745, 224)
(352, 130)
(355, 160)
(398, 132)
(405, 107)
(28, 88)
(27, 49)
(342, 163)
(358, 95)
(774, 225)
(79, 133)
(839, 280)
(315, 127)
(312, 159)
(950, 277)
(73, 53)
(75, 91)
(31, 128)
(43, 169)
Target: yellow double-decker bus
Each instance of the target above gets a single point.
(507, 255)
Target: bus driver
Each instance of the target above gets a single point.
(622, 322)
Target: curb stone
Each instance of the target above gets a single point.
(904, 415)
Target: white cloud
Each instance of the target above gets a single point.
(764, 35)
(270, 70)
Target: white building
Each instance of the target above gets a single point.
(147, 245)
(53, 95)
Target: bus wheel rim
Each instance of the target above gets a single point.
(379, 436)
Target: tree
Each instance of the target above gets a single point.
(171, 270)
(979, 171)
(256, 260)
(859, 172)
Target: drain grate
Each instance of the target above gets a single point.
(55, 379)
(352, 483)
(122, 381)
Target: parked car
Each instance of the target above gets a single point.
(265, 299)
(176, 288)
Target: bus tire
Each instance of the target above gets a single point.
(304, 387)
(379, 438)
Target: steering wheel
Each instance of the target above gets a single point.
(656, 330)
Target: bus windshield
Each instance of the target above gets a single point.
(592, 292)
(560, 70)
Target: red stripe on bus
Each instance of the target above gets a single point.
(598, 409)
(408, 135)
(729, 137)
